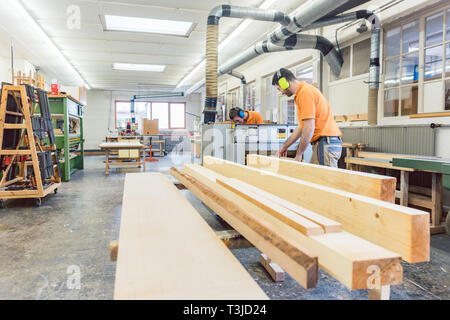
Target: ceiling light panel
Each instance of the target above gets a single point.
(157, 26)
(139, 67)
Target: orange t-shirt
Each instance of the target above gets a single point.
(254, 118)
(311, 104)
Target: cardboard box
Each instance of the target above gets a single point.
(150, 127)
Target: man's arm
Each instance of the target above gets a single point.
(290, 141)
(307, 134)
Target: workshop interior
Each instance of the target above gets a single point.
(225, 150)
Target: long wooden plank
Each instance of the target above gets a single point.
(301, 263)
(326, 224)
(305, 226)
(366, 184)
(399, 229)
(168, 251)
(348, 258)
(386, 156)
(379, 163)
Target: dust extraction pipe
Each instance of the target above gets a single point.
(374, 72)
(243, 86)
(212, 39)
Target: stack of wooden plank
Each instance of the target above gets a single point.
(303, 216)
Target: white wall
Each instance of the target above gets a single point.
(99, 117)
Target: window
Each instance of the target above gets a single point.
(235, 98)
(177, 116)
(345, 71)
(160, 111)
(361, 54)
(423, 63)
(271, 95)
(305, 73)
(250, 96)
(171, 115)
(401, 70)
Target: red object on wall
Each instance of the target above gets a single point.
(54, 89)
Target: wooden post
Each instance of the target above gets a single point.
(380, 294)
(107, 161)
(404, 187)
(113, 250)
(272, 268)
(436, 199)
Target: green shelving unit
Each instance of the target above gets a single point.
(66, 109)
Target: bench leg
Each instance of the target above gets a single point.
(436, 199)
(380, 294)
(404, 188)
(107, 162)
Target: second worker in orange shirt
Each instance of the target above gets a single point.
(237, 115)
(317, 124)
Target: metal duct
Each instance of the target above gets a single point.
(309, 13)
(243, 85)
(212, 38)
(328, 21)
(374, 72)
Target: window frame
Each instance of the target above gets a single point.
(422, 48)
(151, 111)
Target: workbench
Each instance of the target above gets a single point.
(440, 169)
(405, 164)
(123, 160)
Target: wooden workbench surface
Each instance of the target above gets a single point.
(122, 145)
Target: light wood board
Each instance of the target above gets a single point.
(399, 229)
(371, 185)
(168, 251)
(342, 255)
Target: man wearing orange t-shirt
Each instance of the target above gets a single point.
(317, 124)
(237, 115)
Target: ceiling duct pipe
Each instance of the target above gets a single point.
(328, 21)
(243, 86)
(374, 71)
(212, 39)
(307, 15)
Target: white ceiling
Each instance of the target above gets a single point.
(92, 51)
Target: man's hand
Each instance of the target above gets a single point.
(299, 157)
(282, 152)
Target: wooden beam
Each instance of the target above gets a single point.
(272, 268)
(298, 261)
(378, 163)
(385, 156)
(168, 251)
(430, 115)
(366, 184)
(285, 215)
(399, 229)
(344, 256)
(258, 195)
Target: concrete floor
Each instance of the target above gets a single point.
(43, 248)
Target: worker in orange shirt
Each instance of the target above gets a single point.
(317, 124)
(237, 115)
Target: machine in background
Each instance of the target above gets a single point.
(233, 142)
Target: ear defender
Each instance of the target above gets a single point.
(282, 82)
(241, 114)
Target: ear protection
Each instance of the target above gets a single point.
(241, 114)
(282, 82)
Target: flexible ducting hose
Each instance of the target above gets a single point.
(212, 39)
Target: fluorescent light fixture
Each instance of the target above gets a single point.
(133, 24)
(40, 32)
(139, 67)
(265, 5)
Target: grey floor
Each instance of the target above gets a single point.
(44, 249)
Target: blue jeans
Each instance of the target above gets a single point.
(327, 151)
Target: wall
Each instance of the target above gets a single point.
(99, 118)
